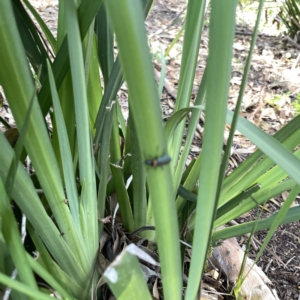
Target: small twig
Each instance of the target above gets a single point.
(271, 252)
(296, 62)
(104, 220)
(172, 92)
(250, 33)
(140, 230)
(117, 207)
(289, 260)
(161, 30)
(268, 265)
(8, 289)
(23, 228)
(185, 244)
(289, 40)
(113, 221)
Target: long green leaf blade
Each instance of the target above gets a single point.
(222, 30)
(192, 37)
(127, 21)
(12, 238)
(15, 69)
(292, 215)
(65, 151)
(270, 146)
(86, 166)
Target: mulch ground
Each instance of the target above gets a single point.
(269, 102)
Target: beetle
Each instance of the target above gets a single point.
(163, 160)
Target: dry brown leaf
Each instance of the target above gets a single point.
(229, 257)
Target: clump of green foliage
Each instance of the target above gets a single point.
(296, 104)
(80, 163)
(290, 16)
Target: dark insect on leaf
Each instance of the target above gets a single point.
(164, 160)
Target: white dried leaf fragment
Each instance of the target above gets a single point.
(134, 250)
(111, 274)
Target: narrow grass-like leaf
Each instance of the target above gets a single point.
(37, 142)
(191, 130)
(92, 74)
(236, 200)
(121, 121)
(270, 146)
(178, 35)
(239, 101)
(23, 288)
(38, 269)
(68, 110)
(60, 67)
(261, 197)
(61, 24)
(192, 37)
(186, 194)
(31, 38)
(18, 151)
(241, 177)
(49, 265)
(87, 51)
(123, 198)
(65, 151)
(222, 30)
(188, 170)
(86, 167)
(104, 160)
(115, 149)
(114, 83)
(128, 23)
(176, 118)
(279, 218)
(44, 27)
(189, 183)
(105, 43)
(4, 123)
(163, 73)
(242, 276)
(189, 180)
(86, 14)
(292, 215)
(22, 191)
(94, 88)
(12, 238)
(138, 181)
